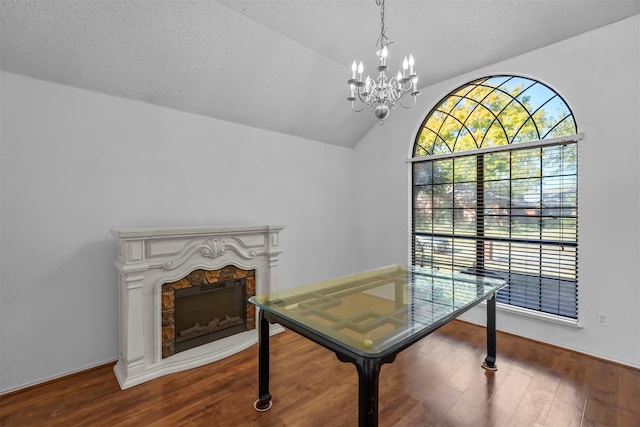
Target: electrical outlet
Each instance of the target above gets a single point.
(601, 320)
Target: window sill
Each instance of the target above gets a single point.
(536, 315)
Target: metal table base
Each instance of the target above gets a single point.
(368, 367)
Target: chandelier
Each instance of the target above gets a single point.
(382, 94)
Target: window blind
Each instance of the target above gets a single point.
(508, 213)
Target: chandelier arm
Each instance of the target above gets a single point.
(356, 110)
(415, 99)
(359, 95)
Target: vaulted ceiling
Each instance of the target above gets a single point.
(279, 65)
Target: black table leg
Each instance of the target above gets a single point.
(264, 397)
(368, 385)
(490, 361)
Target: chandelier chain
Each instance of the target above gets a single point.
(383, 40)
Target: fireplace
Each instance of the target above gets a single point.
(211, 271)
(207, 313)
(205, 306)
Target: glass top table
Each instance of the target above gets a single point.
(368, 318)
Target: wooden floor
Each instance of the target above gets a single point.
(437, 382)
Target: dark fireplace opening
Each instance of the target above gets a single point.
(209, 312)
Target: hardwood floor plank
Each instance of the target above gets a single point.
(567, 406)
(467, 373)
(437, 402)
(599, 413)
(629, 390)
(536, 402)
(628, 418)
(502, 404)
(471, 403)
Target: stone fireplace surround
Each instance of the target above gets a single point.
(149, 257)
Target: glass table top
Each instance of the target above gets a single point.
(378, 311)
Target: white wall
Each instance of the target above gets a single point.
(75, 164)
(598, 75)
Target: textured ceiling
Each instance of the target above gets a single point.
(279, 65)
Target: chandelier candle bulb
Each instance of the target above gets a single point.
(411, 62)
(354, 67)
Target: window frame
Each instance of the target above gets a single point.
(511, 146)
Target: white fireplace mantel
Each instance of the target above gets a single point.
(150, 257)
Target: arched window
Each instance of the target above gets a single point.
(495, 190)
